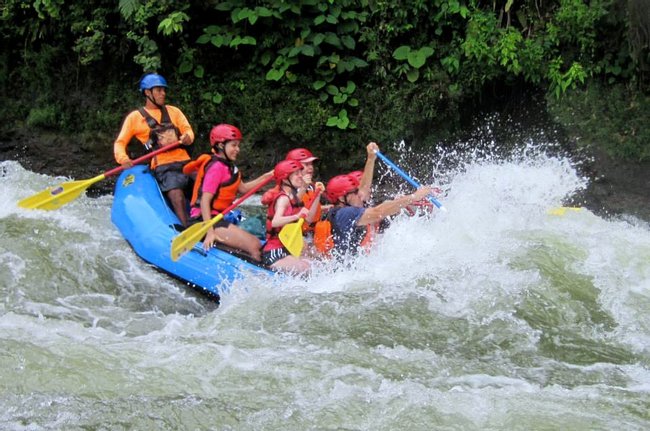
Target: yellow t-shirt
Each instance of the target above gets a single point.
(135, 125)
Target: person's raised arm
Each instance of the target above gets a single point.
(368, 170)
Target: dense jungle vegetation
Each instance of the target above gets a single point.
(329, 74)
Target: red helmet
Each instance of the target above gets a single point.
(285, 168)
(357, 175)
(301, 155)
(340, 186)
(223, 133)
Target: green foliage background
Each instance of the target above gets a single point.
(328, 74)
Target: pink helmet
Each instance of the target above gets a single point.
(340, 186)
(224, 132)
(285, 168)
(301, 155)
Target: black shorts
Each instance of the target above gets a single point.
(272, 256)
(171, 176)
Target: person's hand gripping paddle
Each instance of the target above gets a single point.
(410, 180)
(55, 197)
(291, 234)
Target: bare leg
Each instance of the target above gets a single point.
(236, 237)
(293, 265)
(177, 198)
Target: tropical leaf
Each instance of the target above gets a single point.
(419, 57)
(274, 75)
(128, 7)
(402, 52)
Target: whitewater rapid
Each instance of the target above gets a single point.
(494, 315)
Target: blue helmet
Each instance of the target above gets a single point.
(152, 80)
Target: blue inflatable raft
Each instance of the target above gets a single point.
(146, 221)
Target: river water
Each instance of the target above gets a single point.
(495, 315)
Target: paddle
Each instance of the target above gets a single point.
(55, 197)
(195, 233)
(409, 179)
(291, 234)
(560, 211)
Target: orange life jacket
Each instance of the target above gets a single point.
(369, 238)
(227, 191)
(306, 198)
(324, 241)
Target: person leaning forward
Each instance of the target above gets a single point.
(156, 125)
(349, 218)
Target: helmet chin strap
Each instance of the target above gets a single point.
(151, 99)
(345, 200)
(221, 148)
(294, 189)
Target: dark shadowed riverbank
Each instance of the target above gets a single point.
(617, 187)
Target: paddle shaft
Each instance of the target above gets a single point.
(308, 206)
(243, 197)
(144, 158)
(312, 200)
(407, 178)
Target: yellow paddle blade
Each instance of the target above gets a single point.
(55, 197)
(291, 237)
(560, 211)
(186, 240)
